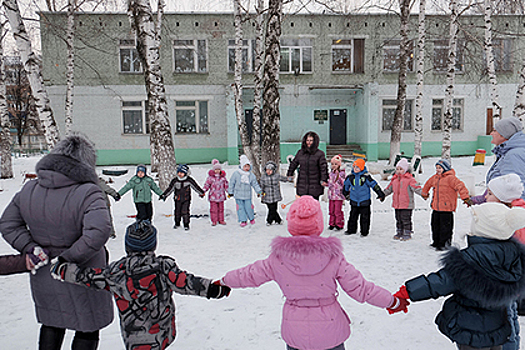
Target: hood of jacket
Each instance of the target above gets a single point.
(221, 174)
(406, 175)
(516, 141)
(306, 255)
(315, 145)
(56, 170)
(490, 271)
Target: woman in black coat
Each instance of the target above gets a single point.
(313, 170)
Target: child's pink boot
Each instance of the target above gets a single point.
(252, 222)
(243, 224)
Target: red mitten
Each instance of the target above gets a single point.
(402, 293)
(398, 305)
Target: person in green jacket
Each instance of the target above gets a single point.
(142, 185)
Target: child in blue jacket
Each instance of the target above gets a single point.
(240, 187)
(356, 189)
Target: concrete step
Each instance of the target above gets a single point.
(346, 151)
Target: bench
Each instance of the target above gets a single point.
(414, 162)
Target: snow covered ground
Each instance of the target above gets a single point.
(250, 318)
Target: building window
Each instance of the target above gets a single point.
(191, 116)
(135, 120)
(441, 56)
(389, 111)
(129, 57)
(296, 55)
(438, 111)
(502, 49)
(391, 52)
(348, 55)
(248, 56)
(189, 56)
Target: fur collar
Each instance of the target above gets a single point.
(477, 283)
(69, 167)
(305, 245)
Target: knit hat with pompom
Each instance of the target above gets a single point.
(305, 217)
(337, 160)
(215, 164)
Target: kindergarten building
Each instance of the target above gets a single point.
(338, 77)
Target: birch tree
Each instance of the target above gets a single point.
(451, 75)
(271, 132)
(258, 86)
(418, 127)
(32, 66)
(6, 166)
(161, 140)
(70, 68)
(519, 104)
(404, 52)
(489, 54)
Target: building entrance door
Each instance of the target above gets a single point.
(338, 126)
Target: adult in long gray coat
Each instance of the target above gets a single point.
(65, 213)
(313, 169)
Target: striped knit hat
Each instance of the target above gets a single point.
(141, 236)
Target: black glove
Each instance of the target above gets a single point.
(117, 197)
(58, 268)
(382, 199)
(162, 197)
(217, 291)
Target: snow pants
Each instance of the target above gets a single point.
(217, 211)
(403, 219)
(363, 214)
(442, 224)
(273, 214)
(144, 211)
(335, 209)
(182, 211)
(244, 210)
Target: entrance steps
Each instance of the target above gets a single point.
(346, 151)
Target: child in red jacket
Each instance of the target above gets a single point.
(403, 186)
(444, 201)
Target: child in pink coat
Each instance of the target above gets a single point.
(336, 180)
(307, 268)
(403, 186)
(217, 184)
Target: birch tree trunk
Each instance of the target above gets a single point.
(258, 87)
(32, 65)
(271, 133)
(451, 75)
(148, 40)
(237, 86)
(489, 53)
(397, 125)
(6, 166)
(418, 127)
(519, 105)
(70, 73)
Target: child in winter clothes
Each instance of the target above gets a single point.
(403, 186)
(307, 268)
(356, 188)
(181, 187)
(217, 184)
(484, 279)
(271, 190)
(444, 201)
(240, 187)
(336, 180)
(142, 185)
(142, 285)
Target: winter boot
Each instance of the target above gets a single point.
(407, 235)
(399, 234)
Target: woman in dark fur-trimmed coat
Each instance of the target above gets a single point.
(483, 278)
(65, 213)
(313, 170)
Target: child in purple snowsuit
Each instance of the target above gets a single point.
(308, 269)
(336, 180)
(217, 184)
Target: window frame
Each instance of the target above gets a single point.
(394, 107)
(395, 44)
(301, 49)
(250, 54)
(497, 44)
(460, 56)
(195, 52)
(144, 116)
(197, 108)
(442, 114)
(354, 69)
(125, 44)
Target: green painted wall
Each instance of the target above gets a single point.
(458, 148)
